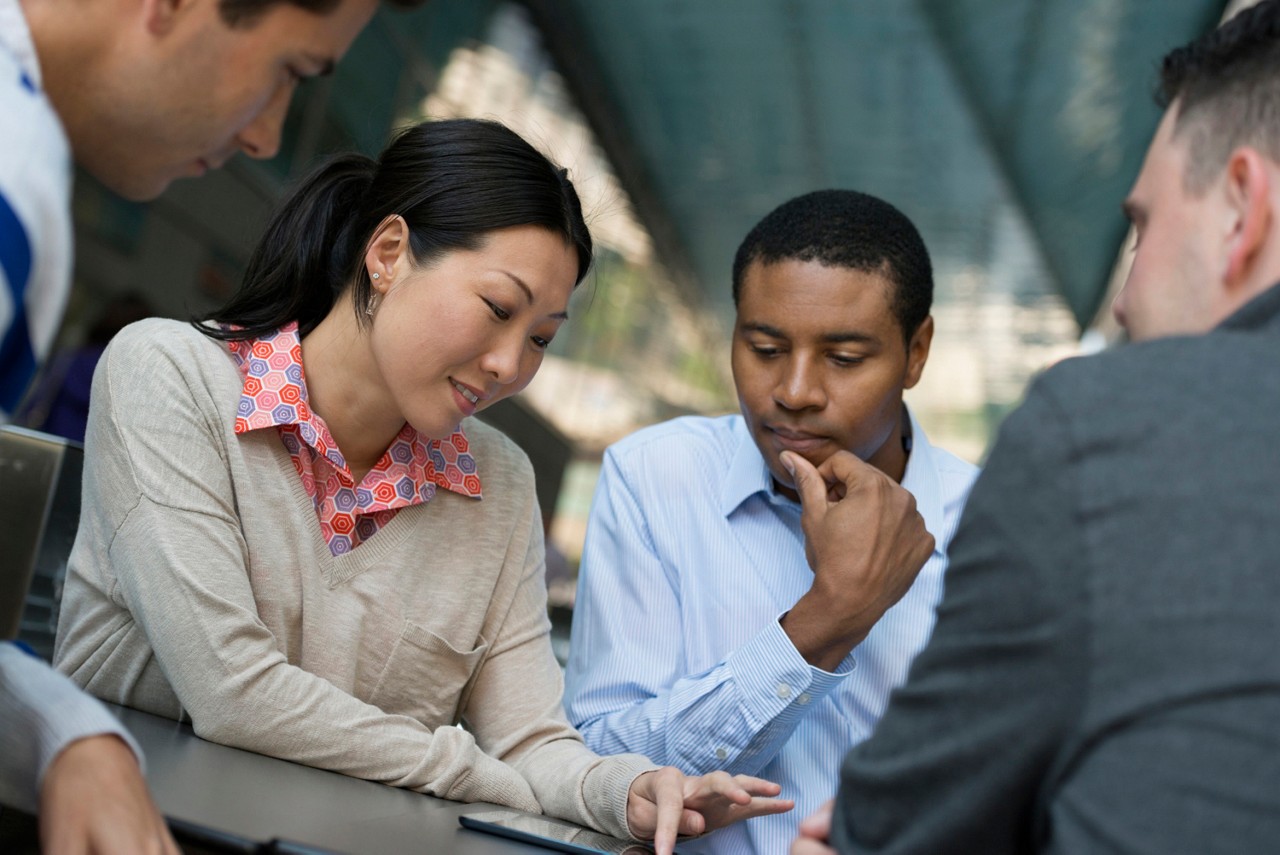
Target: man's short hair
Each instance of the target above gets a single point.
(243, 13)
(1226, 88)
(845, 228)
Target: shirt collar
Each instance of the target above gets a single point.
(922, 481)
(275, 395)
(15, 36)
(1260, 311)
(748, 475)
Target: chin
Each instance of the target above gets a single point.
(439, 432)
(783, 479)
(141, 189)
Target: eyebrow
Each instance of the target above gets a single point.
(829, 338)
(528, 294)
(855, 337)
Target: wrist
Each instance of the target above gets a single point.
(90, 754)
(815, 639)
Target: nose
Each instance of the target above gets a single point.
(261, 137)
(798, 387)
(502, 361)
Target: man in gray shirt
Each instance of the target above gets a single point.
(1104, 673)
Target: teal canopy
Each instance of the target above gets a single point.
(715, 111)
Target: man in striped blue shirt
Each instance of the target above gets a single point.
(703, 637)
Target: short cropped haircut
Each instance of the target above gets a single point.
(845, 228)
(1226, 88)
(245, 13)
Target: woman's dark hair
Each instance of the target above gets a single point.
(452, 181)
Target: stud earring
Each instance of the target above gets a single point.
(377, 276)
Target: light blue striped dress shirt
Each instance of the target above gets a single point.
(677, 653)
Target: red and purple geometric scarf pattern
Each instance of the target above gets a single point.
(410, 470)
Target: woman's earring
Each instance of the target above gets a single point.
(373, 298)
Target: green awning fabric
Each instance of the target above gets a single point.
(715, 111)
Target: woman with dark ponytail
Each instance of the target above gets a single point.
(294, 535)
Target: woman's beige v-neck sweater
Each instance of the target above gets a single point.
(200, 586)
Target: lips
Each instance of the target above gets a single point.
(466, 392)
(794, 439)
(467, 397)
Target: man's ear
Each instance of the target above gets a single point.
(918, 352)
(387, 252)
(1251, 214)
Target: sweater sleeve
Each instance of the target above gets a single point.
(532, 733)
(159, 499)
(956, 762)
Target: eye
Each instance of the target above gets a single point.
(838, 359)
(499, 312)
(540, 342)
(765, 350)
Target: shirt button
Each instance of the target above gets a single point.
(803, 699)
(721, 754)
(784, 691)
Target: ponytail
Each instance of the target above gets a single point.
(306, 257)
(453, 182)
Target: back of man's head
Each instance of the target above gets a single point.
(1225, 87)
(845, 228)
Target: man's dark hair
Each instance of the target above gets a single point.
(244, 13)
(844, 228)
(1226, 88)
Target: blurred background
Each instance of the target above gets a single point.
(1008, 130)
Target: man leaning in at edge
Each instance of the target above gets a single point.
(139, 92)
(1103, 676)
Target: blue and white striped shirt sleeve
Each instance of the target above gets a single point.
(628, 691)
(35, 228)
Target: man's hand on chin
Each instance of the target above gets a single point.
(865, 542)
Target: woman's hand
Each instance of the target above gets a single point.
(665, 803)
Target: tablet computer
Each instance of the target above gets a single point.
(550, 833)
(193, 838)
